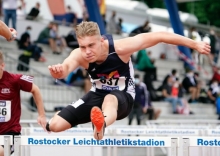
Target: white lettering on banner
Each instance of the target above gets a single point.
(205, 141)
(157, 131)
(5, 111)
(172, 132)
(72, 131)
(180, 127)
(90, 141)
(130, 131)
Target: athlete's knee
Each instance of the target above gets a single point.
(57, 124)
(110, 98)
(54, 126)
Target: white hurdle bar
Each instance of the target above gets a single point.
(7, 141)
(183, 137)
(82, 141)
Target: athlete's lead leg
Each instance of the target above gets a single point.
(105, 117)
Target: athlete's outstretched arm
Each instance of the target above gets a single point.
(40, 106)
(132, 44)
(8, 33)
(60, 71)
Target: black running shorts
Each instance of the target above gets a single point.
(79, 111)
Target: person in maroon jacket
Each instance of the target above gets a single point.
(10, 101)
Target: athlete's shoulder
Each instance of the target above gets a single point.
(76, 55)
(9, 75)
(16, 77)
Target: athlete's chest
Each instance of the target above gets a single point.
(8, 91)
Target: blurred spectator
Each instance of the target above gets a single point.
(71, 16)
(141, 29)
(171, 94)
(217, 48)
(213, 91)
(216, 74)
(173, 74)
(44, 37)
(142, 103)
(25, 44)
(78, 78)
(71, 39)
(112, 25)
(32, 15)
(104, 20)
(59, 41)
(185, 108)
(213, 51)
(119, 26)
(191, 86)
(21, 13)
(194, 35)
(84, 11)
(9, 9)
(144, 63)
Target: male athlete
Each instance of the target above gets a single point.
(109, 66)
(8, 33)
(10, 101)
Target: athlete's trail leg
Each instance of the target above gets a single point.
(109, 109)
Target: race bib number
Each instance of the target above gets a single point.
(110, 84)
(5, 111)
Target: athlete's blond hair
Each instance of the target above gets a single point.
(87, 29)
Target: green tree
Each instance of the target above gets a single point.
(207, 11)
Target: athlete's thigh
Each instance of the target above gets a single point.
(79, 112)
(125, 103)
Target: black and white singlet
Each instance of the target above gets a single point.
(112, 74)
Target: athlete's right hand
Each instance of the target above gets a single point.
(13, 34)
(56, 71)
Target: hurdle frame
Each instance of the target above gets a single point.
(6, 140)
(173, 144)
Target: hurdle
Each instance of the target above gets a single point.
(201, 142)
(80, 141)
(84, 141)
(7, 141)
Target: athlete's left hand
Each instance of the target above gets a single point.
(203, 47)
(41, 120)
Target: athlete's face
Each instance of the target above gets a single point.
(91, 47)
(2, 66)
